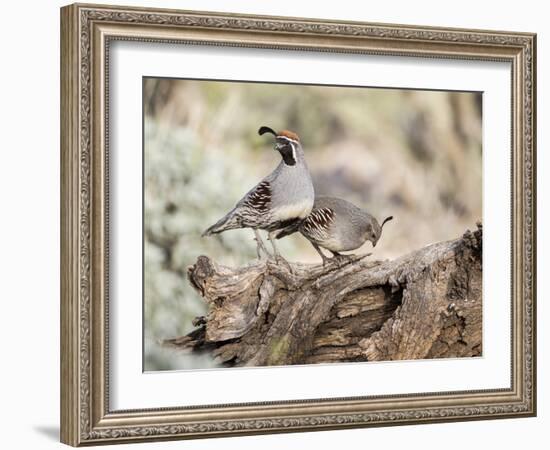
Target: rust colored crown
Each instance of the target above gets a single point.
(289, 134)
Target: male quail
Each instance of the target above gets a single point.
(337, 225)
(282, 198)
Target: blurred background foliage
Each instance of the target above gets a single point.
(412, 154)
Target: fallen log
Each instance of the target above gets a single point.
(427, 304)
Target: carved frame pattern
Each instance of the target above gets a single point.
(87, 31)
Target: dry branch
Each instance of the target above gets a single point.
(423, 305)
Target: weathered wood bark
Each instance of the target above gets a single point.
(427, 304)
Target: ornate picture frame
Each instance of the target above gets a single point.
(87, 31)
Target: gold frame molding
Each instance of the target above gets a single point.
(86, 31)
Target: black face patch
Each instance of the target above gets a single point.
(285, 148)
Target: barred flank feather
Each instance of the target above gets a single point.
(251, 212)
(315, 225)
(318, 221)
(260, 198)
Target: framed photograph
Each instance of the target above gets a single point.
(276, 224)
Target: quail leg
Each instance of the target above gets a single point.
(278, 257)
(260, 246)
(325, 259)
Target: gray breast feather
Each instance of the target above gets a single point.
(283, 196)
(292, 192)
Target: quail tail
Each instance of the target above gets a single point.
(227, 222)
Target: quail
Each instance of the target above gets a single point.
(281, 199)
(336, 225)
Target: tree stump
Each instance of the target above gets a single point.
(427, 304)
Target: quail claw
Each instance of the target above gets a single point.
(342, 260)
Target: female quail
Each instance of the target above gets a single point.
(337, 225)
(282, 198)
